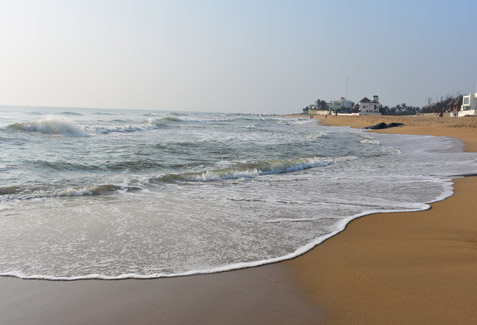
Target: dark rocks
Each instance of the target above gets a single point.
(383, 125)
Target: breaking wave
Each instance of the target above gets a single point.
(18, 193)
(71, 113)
(57, 125)
(148, 126)
(251, 170)
(52, 124)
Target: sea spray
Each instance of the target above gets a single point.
(52, 124)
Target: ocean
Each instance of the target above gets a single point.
(112, 194)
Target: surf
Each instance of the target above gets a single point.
(52, 124)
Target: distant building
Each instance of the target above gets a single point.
(320, 107)
(454, 106)
(309, 109)
(469, 105)
(342, 105)
(369, 107)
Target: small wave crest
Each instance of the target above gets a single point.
(52, 124)
(184, 119)
(313, 137)
(103, 113)
(252, 170)
(18, 193)
(89, 190)
(369, 141)
(148, 125)
(71, 113)
(175, 119)
(9, 190)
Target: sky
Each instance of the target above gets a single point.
(234, 56)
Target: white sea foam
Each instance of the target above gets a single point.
(339, 227)
(314, 137)
(368, 139)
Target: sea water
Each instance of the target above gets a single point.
(101, 193)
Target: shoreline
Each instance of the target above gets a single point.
(383, 268)
(401, 267)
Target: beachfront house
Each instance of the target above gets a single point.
(307, 109)
(341, 105)
(369, 107)
(469, 105)
(313, 109)
(320, 107)
(454, 106)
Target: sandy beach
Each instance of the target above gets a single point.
(391, 268)
(395, 268)
(464, 128)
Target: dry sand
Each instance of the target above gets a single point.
(385, 268)
(464, 128)
(402, 268)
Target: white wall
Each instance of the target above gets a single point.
(369, 108)
(469, 102)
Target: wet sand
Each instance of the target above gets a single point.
(416, 267)
(264, 295)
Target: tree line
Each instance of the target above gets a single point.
(438, 106)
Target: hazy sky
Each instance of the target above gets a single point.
(234, 56)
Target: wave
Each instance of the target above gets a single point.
(180, 118)
(52, 124)
(121, 129)
(175, 118)
(86, 166)
(57, 125)
(18, 193)
(9, 190)
(368, 139)
(93, 190)
(71, 113)
(62, 165)
(313, 137)
(129, 128)
(251, 170)
(103, 113)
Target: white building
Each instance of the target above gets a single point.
(341, 104)
(369, 107)
(469, 105)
